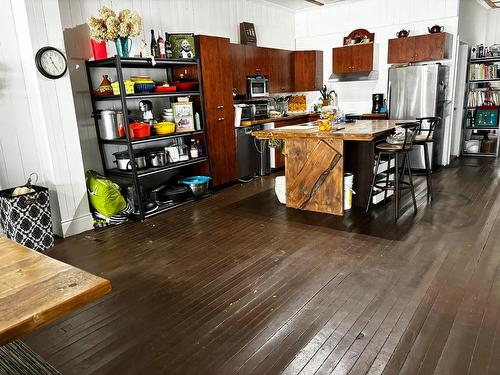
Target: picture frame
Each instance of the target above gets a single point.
(183, 46)
(183, 117)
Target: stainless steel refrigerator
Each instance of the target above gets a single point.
(419, 91)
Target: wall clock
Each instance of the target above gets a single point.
(51, 62)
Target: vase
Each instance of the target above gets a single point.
(123, 46)
(99, 50)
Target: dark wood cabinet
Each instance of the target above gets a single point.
(216, 71)
(238, 65)
(353, 59)
(428, 47)
(281, 71)
(308, 70)
(257, 60)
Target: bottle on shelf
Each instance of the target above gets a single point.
(194, 150)
(153, 46)
(480, 51)
(160, 46)
(168, 47)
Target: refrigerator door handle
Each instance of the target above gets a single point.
(388, 109)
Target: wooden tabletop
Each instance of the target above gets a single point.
(361, 130)
(36, 289)
(290, 116)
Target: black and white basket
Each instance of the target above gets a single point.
(26, 218)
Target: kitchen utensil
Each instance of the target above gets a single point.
(139, 130)
(403, 33)
(166, 193)
(142, 88)
(105, 87)
(183, 150)
(435, 29)
(185, 86)
(198, 184)
(120, 124)
(157, 158)
(164, 127)
(108, 125)
(149, 206)
(377, 103)
(123, 163)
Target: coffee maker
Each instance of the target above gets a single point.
(378, 102)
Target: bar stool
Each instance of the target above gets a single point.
(432, 123)
(393, 151)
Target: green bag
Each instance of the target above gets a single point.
(104, 194)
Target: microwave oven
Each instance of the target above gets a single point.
(257, 87)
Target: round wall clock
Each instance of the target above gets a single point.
(51, 62)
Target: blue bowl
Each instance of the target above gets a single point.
(141, 88)
(195, 180)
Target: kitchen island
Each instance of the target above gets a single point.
(316, 162)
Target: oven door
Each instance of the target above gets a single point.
(257, 88)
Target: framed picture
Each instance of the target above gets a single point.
(183, 117)
(182, 46)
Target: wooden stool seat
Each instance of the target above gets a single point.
(392, 147)
(421, 138)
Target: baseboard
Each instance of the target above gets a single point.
(76, 225)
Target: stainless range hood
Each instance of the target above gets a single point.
(368, 76)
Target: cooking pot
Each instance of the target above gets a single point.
(157, 158)
(108, 128)
(123, 161)
(139, 130)
(435, 29)
(198, 184)
(403, 33)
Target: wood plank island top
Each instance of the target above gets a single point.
(36, 289)
(361, 130)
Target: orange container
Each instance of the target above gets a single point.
(139, 130)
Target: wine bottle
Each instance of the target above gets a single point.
(153, 46)
(161, 46)
(168, 47)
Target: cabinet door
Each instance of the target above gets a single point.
(216, 66)
(257, 60)
(285, 67)
(275, 75)
(362, 58)
(342, 60)
(237, 52)
(308, 68)
(401, 50)
(431, 47)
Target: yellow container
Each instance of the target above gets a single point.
(129, 87)
(164, 127)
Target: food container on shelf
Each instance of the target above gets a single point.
(108, 128)
(165, 89)
(157, 158)
(164, 127)
(472, 146)
(198, 184)
(139, 130)
(141, 79)
(142, 88)
(122, 160)
(186, 86)
(129, 87)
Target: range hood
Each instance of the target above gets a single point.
(349, 77)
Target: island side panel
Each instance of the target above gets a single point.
(314, 172)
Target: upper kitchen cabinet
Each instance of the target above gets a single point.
(356, 54)
(428, 47)
(215, 58)
(238, 66)
(308, 69)
(353, 59)
(281, 71)
(257, 60)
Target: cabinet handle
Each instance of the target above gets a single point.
(220, 107)
(257, 70)
(220, 119)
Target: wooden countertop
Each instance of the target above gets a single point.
(361, 130)
(36, 289)
(277, 119)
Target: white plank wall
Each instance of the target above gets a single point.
(275, 27)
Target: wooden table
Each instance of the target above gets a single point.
(315, 162)
(36, 289)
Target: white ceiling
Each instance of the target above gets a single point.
(301, 4)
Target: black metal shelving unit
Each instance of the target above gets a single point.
(477, 130)
(136, 175)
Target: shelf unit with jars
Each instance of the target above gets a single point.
(481, 108)
(139, 179)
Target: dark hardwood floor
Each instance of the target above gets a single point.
(237, 283)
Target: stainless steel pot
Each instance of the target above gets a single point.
(108, 128)
(123, 161)
(157, 158)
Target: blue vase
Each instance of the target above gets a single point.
(123, 46)
(118, 46)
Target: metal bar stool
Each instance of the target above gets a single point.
(423, 137)
(393, 151)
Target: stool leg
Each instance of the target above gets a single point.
(389, 160)
(373, 182)
(402, 175)
(428, 172)
(396, 188)
(411, 184)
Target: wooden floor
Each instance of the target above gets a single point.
(239, 284)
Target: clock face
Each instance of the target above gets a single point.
(51, 62)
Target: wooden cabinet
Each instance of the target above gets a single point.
(281, 71)
(420, 48)
(257, 60)
(238, 65)
(308, 70)
(353, 59)
(215, 61)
